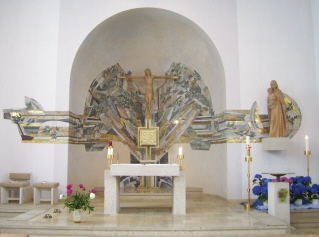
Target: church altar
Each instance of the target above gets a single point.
(112, 184)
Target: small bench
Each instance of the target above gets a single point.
(20, 182)
(45, 186)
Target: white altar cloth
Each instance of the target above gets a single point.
(112, 184)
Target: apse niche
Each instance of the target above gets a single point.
(145, 38)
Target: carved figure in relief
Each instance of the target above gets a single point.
(149, 90)
(276, 111)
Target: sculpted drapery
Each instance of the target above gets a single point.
(276, 111)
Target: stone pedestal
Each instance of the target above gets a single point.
(275, 143)
(179, 193)
(111, 193)
(276, 207)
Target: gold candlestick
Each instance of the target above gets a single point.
(109, 160)
(247, 206)
(308, 153)
(180, 158)
(248, 159)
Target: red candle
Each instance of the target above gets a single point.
(110, 143)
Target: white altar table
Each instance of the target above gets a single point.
(112, 184)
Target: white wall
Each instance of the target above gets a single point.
(28, 46)
(276, 43)
(258, 41)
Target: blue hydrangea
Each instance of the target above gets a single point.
(257, 176)
(264, 189)
(256, 190)
(306, 180)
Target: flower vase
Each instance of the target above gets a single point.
(315, 202)
(77, 216)
(298, 202)
(265, 203)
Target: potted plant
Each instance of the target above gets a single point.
(79, 200)
(305, 181)
(261, 189)
(298, 192)
(313, 193)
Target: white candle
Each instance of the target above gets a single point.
(108, 151)
(307, 143)
(111, 151)
(247, 140)
(180, 151)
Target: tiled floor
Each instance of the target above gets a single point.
(206, 216)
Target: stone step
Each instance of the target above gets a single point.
(307, 218)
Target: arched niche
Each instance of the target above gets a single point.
(138, 39)
(146, 38)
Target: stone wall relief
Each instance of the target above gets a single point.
(114, 109)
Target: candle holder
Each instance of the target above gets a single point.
(308, 153)
(180, 158)
(109, 160)
(248, 159)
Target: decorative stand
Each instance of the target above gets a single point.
(308, 153)
(180, 158)
(109, 160)
(248, 159)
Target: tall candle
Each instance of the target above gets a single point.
(247, 140)
(307, 143)
(108, 151)
(180, 151)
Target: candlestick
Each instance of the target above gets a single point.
(307, 143)
(248, 159)
(110, 155)
(180, 158)
(307, 154)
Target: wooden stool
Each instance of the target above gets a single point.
(45, 186)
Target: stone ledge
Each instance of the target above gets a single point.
(275, 144)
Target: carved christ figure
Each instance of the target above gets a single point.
(149, 90)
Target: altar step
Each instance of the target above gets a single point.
(306, 220)
(151, 192)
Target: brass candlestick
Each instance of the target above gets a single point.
(308, 153)
(109, 160)
(180, 158)
(248, 159)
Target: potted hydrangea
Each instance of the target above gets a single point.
(313, 193)
(298, 192)
(79, 200)
(261, 188)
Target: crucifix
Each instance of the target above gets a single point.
(149, 91)
(148, 136)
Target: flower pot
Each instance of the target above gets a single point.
(298, 202)
(265, 203)
(77, 216)
(315, 202)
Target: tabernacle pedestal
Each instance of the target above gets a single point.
(112, 184)
(278, 201)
